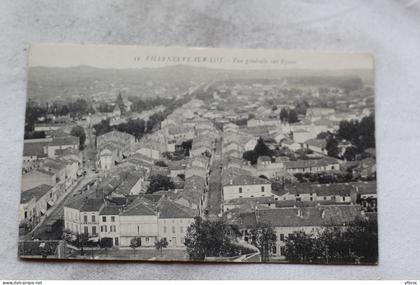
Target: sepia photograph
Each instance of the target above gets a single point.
(199, 155)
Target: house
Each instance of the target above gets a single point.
(150, 151)
(287, 221)
(264, 160)
(124, 140)
(302, 135)
(249, 143)
(138, 221)
(107, 158)
(316, 145)
(365, 194)
(326, 164)
(38, 177)
(333, 193)
(34, 150)
(290, 144)
(57, 167)
(173, 221)
(131, 184)
(195, 171)
(366, 168)
(61, 143)
(109, 223)
(246, 186)
(82, 216)
(34, 204)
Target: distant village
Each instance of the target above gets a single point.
(269, 161)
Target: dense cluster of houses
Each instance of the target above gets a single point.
(193, 142)
(50, 166)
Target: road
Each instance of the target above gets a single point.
(89, 153)
(214, 196)
(57, 212)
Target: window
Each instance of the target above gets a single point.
(344, 199)
(138, 229)
(311, 198)
(164, 230)
(86, 230)
(103, 219)
(325, 198)
(240, 189)
(112, 219)
(282, 237)
(262, 188)
(173, 229)
(274, 250)
(147, 239)
(93, 219)
(93, 230)
(116, 241)
(85, 218)
(181, 229)
(282, 250)
(290, 236)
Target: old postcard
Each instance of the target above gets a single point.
(197, 154)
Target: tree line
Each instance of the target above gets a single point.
(355, 243)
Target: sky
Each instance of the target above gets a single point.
(124, 57)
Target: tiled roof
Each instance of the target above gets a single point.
(110, 210)
(117, 135)
(339, 189)
(92, 205)
(138, 208)
(172, 210)
(34, 149)
(53, 164)
(36, 192)
(321, 143)
(195, 183)
(306, 163)
(68, 140)
(43, 171)
(127, 183)
(366, 187)
(309, 216)
(246, 180)
(84, 204)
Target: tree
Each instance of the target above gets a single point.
(206, 238)
(263, 237)
(251, 156)
(160, 182)
(357, 242)
(105, 243)
(81, 241)
(284, 114)
(332, 147)
(135, 243)
(292, 116)
(79, 132)
(161, 163)
(161, 244)
(120, 103)
(102, 127)
(262, 149)
(350, 153)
